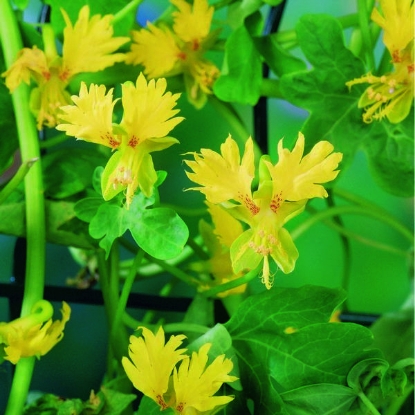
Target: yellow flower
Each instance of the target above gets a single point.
(284, 189)
(88, 46)
(35, 334)
(179, 50)
(149, 115)
(398, 25)
(195, 383)
(152, 370)
(391, 95)
(218, 240)
(152, 362)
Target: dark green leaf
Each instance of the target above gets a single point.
(321, 399)
(394, 334)
(322, 90)
(9, 144)
(69, 171)
(283, 341)
(115, 402)
(58, 217)
(390, 148)
(334, 114)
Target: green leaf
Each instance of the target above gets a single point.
(284, 341)
(277, 58)
(334, 115)
(241, 75)
(114, 402)
(62, 227)
(69, 171)
(9, 144)
(321, 399)
(86, 209)
(159, 231)
(240, 10)
(390, 148)
(394, 334)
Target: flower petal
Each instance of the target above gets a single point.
(152, 362)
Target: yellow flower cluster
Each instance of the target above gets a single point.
(34, 334)
(283, 191)
(165, 51)
(391, 95)
(188, 389)
(148, 117)
(88, 46)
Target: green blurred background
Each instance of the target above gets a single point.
(379, 280)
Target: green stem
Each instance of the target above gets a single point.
(370, 242)
(122, 303)
(184, 327)
(164, 292)
(345, 280)
(386, 216)
(367, 40)
(53, 141)
(178, 273)
(212, 292)
(35, 209)
(369, 404)
(118, 347)
(16, 179)
(341, 210)
(396, 404)
(125, 11)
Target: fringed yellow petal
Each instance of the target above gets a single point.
(152, 362)
(195, 382)
(89, 44)
(156, 49)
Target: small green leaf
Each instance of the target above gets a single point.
(86, 209)
(361, 375)
(321, 399)
(158, 231)
(241, 76)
